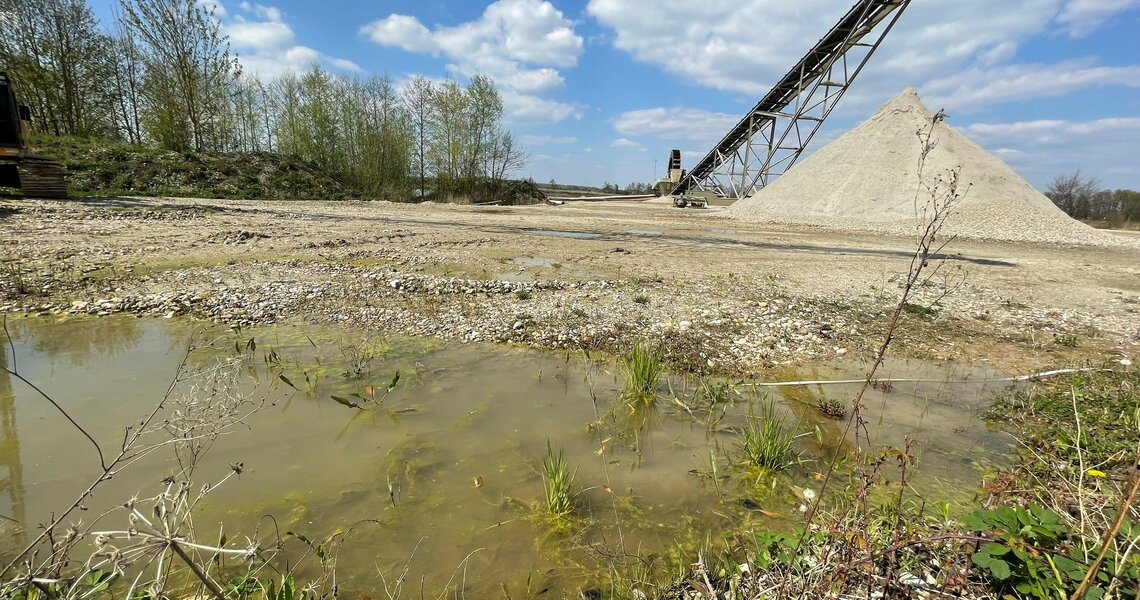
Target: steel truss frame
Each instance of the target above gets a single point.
(770, 138)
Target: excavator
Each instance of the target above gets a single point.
(35, 176)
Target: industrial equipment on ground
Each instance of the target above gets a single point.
(769, 139)
(673, 175)
(36, 176)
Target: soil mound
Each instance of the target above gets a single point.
(868, 179)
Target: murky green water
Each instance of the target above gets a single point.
(448, 465)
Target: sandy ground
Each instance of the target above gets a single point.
(725, 295)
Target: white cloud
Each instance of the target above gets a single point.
(624, 143)
(254, 34)
(977, 86)
(1042, 149)
(520, 44)
(266, 44)
(675, 123)
(528, 108)
(745, 46)
(401, 31)
(1048, 131)
(1085, 16)
(342, 63)
(548, 139)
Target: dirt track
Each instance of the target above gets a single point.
(723, 296)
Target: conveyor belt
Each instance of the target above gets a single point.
(806, 94)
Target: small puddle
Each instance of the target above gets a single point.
(533, 261)
(450, 463)
(644, 233)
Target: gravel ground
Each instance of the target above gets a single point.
(723, 297)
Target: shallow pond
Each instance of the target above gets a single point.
(447, 466)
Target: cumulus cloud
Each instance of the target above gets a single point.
(521, 44)
(266, 44)
(401, 31)
(675, 123)
(745, 46)
(528, 108)
(624, 143)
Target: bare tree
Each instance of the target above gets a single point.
(1074, 193)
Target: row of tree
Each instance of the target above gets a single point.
(163, 75)
(1082, 197)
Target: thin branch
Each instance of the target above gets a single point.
(99, 450)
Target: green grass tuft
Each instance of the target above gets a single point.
(643, 370)
(767, 439)
(926, 313)
(558, 483)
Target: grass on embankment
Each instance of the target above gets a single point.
(109, 168)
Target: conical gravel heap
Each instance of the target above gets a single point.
(867, 180)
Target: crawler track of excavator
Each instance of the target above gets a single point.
(41, 178)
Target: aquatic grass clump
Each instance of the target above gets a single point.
(643, 370)
(558, 483)
(767, 439)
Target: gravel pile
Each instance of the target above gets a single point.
(867, 181)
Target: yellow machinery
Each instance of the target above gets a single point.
(36, 176)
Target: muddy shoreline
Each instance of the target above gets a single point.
(721, 296)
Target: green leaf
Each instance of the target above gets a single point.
(345, 401)
(1000, 569)
(995, 549)
(285, 379)
(392, 384)
(974, 521)
(1024, 557)
(97, 578)
(289, 588)
(1069, 569)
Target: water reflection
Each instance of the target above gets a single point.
(86, 339)
(13, 516)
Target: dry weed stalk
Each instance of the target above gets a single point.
(199, 405)
(934, 202)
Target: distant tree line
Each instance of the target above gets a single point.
(1082, 197)
(163, 75)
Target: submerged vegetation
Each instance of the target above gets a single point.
(1035, 529)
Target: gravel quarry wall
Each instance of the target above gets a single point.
(868, 180)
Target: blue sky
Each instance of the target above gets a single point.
(600, 90)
